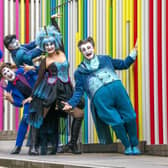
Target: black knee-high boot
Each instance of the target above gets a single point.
(75, 129)
(34, 137)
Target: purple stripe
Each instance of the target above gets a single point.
(1, 47)
(17, 35)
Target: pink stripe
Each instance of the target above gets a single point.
(17, 35)
(1, 47)
(17, 18)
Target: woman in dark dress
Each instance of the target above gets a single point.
(53, 86)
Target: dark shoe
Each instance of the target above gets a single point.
(52, 152)
(60, 149)
(43, 150)
(33, 151)
(73, 148)
(16, 150)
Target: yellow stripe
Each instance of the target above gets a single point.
(131, 9)
(43, 13)
(140, 72)
(128, 10)
(94, 37)
(80, 29)
(77, 50)
(124, 40)
(22, 28)
(114, 29)
(22, 32)
(107, 27)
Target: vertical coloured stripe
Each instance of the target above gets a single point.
(11, 31)
(27, 21)
(32, 20)
(164, 71)
(131, 45)
(151, 72)
(139, 72)
(6, 26)
(1, 48)
(124, 40)
(17, 35)
(155, 48)
(86, 98)
(95, 39)
(159, 45)
(167, 62)
(66, 49)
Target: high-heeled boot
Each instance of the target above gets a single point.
(75, 129)
(34, 137)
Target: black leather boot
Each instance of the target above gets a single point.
(75, 129)
(33, 148)
(16, 150)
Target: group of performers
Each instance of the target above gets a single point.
(46, 93)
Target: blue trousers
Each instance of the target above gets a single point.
(114, 107)
(23, 125)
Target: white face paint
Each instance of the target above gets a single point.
(14, 44)
(49, 47)
(87, 50)
(8, 74)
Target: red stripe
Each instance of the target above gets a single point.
(27, 21)
(151, 72)
(159, 44)
(136, 67)
(167, 60)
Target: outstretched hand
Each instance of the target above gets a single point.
(28, 67)
(8, 96)
(136, 45)
(56, 16)
(28, 100)
(67, 106)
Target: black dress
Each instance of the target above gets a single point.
(54, 88)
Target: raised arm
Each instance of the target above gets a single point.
(55, 24)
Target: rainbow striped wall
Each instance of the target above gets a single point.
(115, 25)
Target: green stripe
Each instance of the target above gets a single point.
(48, 12)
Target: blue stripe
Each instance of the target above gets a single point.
(54, 5)
(51, 7)
(86, 98)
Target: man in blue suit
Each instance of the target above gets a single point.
(21, 54)
(19, 87)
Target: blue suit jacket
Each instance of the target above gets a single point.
(81, 77)
(25, 54)
(31, 77)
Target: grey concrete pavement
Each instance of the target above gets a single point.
(67, 160)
